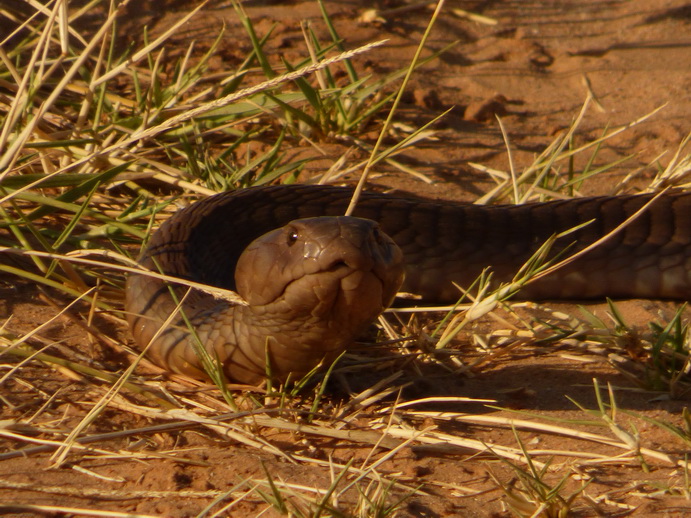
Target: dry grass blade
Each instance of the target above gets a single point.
(365, 173)
(78, 256)
(550, 269)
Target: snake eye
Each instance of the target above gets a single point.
(292, 237)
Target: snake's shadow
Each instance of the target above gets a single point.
(523, 382)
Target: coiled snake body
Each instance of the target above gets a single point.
(314, 285)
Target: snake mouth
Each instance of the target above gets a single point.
(338, 266)
(335, 274)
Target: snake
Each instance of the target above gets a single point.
(314, 281)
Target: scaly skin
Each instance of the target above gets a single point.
(441, 243)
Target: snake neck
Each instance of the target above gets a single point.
(276, 342)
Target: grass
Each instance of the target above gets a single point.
(532, 495)
(99, 144)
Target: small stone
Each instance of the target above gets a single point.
(487, 109)
(427, 98)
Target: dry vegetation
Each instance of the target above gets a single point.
(100, 142)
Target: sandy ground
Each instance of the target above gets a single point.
(534, 67)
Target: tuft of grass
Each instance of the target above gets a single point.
(532, 494)
(660, 360)
(331, 108)
(670, 362)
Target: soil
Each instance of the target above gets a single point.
(533, 68)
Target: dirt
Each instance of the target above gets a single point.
(533, 68)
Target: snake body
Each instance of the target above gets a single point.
(316, 281)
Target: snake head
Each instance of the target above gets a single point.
(337, 268)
